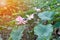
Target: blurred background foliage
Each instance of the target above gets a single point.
(44, 26)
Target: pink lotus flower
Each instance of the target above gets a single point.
(20, 20)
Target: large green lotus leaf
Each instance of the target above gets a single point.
(46, 15)
(43, 31)
(58, 1)
(58, 38)
(0, 38)
(57, 24)
(17, 33)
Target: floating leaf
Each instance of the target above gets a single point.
(57, 24)
(17, 33)
(43, 31)
(47, 15)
